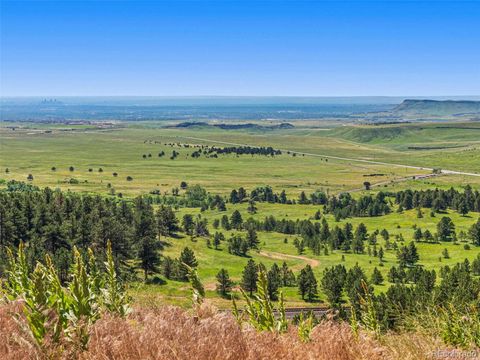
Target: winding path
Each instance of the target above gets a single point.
(281, 256)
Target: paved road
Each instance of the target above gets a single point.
(290, 313)
(449, 172)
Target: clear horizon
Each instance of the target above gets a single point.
(240, 49)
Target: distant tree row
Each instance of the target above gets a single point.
(440, 200)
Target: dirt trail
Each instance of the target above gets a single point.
(277, 256)
(280, 256)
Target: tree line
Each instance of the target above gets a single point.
(53, 222)
(440, 200)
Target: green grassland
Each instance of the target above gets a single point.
(121, 151)
(32, 150)
(274, 249)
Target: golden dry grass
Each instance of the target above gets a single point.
(173, 333)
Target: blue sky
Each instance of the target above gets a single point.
(310, 48)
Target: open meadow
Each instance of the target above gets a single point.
(96, 154)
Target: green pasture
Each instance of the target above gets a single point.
(121, 151)
(274, 249)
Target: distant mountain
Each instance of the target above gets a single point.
(435, 107)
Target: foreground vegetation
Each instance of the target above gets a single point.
(209, 334)
(89, 318)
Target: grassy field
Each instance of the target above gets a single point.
(121, 151)
(274, 249)
(35, 149)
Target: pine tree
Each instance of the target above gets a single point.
(332, 284)
(187, 257)
(354, 288)
(380, 254)
(146, 236)
(250, 277)
(427, 235)
(385, 234)
(225, 223)
(408, 255)
(252, 209)
(358, 246)
(361, 232)
(168, 268)
(201, 227)
(377, 277)
(166, 221)
(236, 220)
(303, 198)
(324, 231)
(300, 245)
(285, 273)
(217, 239)
(392, 275)
(445, 229)
(463, 208)
(224, 284)
(234, 196)
(188, 224)
(242, 194)
(476, 266)
(274, 281)
(474, 233)
(307, 283)
(252, 239)
(417, 235)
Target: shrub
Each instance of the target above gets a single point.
(54, 311)
(260, 311)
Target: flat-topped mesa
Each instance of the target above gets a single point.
(436, 107)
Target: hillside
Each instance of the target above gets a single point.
(434, 107)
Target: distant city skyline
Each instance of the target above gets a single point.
(233, 48)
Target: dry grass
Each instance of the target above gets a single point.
(173, 333)
(15, 342)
